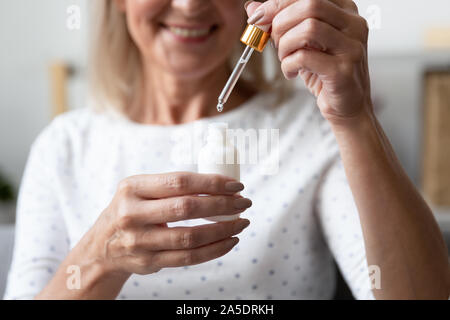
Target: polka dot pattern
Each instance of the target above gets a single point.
(301, 217)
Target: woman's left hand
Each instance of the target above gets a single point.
(325, 42)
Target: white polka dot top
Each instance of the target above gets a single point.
(302, 217)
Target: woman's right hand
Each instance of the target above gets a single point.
(132, 234)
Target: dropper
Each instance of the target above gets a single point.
(255, 38)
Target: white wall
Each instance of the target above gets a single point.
(403, 23)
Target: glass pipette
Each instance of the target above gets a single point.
(231, 83)
(256, 39)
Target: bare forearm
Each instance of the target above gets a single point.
(401, 235)
(95, 281)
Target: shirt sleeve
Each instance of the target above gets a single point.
(41, 241)
(342, 230)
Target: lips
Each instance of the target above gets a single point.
(190, 32)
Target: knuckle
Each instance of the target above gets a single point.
(223, 202)
(225, 229)
(184, 207)
(290, 64)
(125, 187)
(215, 183)
(312, 7)
(123, 208)
(284, 68)
(300, 57)
(156, 261)
(178, 181)
(278, 4)
(124, 221)
(129, 241)
(353, 6)
(364, 29)
(143, 262)
(346, 70)
(187, 240)
(312, 27)
(276, 27)
(188, 258)
(124, 216)
(282, 51)
(364, 24)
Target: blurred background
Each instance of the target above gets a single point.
(43, 69)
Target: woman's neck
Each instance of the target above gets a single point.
(166, 99)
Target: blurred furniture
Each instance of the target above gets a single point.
(436, 162)
(437, 38)
(59, 76)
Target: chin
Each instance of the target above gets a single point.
(189, 73)
(192, 68)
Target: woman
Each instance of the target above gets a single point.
(99, 190)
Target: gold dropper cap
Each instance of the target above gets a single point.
(255, 37)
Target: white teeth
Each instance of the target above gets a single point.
(189, 33)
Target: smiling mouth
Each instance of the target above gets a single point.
(190, 32)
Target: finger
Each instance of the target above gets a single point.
(179, 238)
(173, 184)
(187, 257)
(251, 7)
(322, 10)
(320, 63)
(346, 4)
(266, 12)
(187, 207)
(313, 33)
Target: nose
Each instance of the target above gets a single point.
(191, 7)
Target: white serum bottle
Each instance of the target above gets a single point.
(219, 156)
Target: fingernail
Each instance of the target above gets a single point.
(259, 13)
(234, 186)
(242, 203)
(234, 241)
(291, 75)
(247, 3)
(241, 225)
(274, 45)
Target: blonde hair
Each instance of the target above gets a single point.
(115, 71)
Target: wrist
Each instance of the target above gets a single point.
(98, 275)
(357, 123)
(362, 135)
(83, 276)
